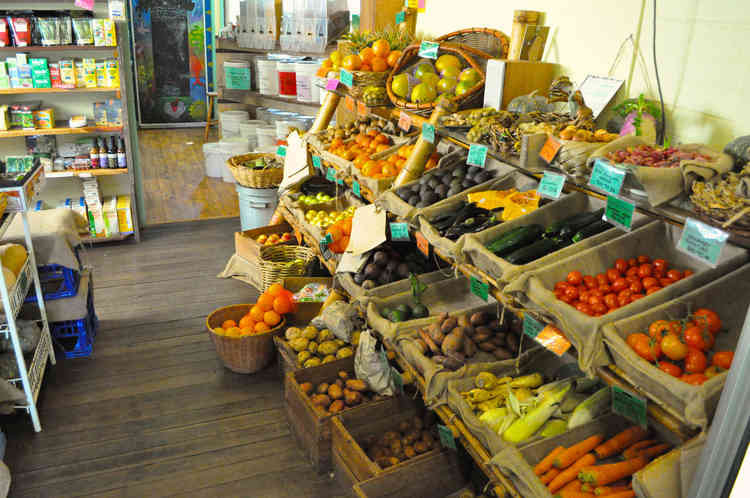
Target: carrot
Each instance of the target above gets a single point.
(572, 454)
(587, 488)
(549, 475)
(546, 463)
(571, 472)
(601, 475)
(634, 449)
(622, 494)
(610, 490)
(574, 485)
(621, 441)
(654, 451)
(574, 494)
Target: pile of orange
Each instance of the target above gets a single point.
(361, 147)
(264, 315)
(378, 57)
(340, 232)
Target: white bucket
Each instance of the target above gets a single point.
(322, 92)
(284, 126)
(213, 160)
(229, 121)
(287, 79)
(266, 136)
(268, 77)
(237, 75)
(307, 91)
(231, 147)
(248, 131)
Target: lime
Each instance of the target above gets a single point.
(398, 316)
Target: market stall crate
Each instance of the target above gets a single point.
(670, 474)
(535, 290)
(247, 244)
(693, 404)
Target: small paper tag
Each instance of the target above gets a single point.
(398, 380)
(356, 189)
(84, 175)
(550, 149)
(629, 405)
(619, 212)
(404, 121)
(428, 132)
(412, 4)
(607, 178)
(429, 50)
(422, 244)
(362, 109)
(400, 17)
(317, 162)
(332, 83)
(346, 77)
(446, 437)
(531, 326)
(702, 241)
(85, 4)
(399, 231)
(479, 288)
(281, 151)
(331, 175)
(368, 229)
(551, 185)
(552, 339)
(477, 155)
(355, 22)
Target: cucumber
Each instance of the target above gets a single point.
(571, 228)
(592, 229)
(516, 238)
(536, 250)
(553, 230)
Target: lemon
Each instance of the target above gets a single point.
(446, 84)
(430, 78)
(400, 85)
(447, 60)
(423, 93)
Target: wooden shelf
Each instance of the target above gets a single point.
(228, 47)
(56, 48)
(87, 172)
(257, 99)
(60, 130)
(31, 91)
(99, 240)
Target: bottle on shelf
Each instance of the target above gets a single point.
(121, 158)
(94, 155)
(111, 152)
(103, 157)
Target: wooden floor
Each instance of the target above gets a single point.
(174, 183)
(153, 412)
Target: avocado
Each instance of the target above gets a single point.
(441, 191)
(433, 183)
(419, 311)
(397, 316)
(446, 180)
(468, 183)
(458, 173)
(405, 309)
(413, 200)
(380, 258)
(385, 312)
(482, 177)
(430, 198)
(404, 195)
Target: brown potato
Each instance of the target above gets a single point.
(486, 346)
(352, 398)
(448, 325)
(420, 447)
(502, 354)
(335, 392)
(409, 452)
(306, 387)
(410, 438)
(386, 462)
(479, 318)
(343, 375)
(498, 340)
(377, 452)
(321, 400)
(356, 385)
(336, 406)
(396, 446)
(482, 334)
(463, 321)
(470, 348)
(339, 383)
(323, 388)
(417, 423)
(390, 436)
(511, 342)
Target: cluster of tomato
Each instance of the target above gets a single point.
(689, 341)
(627, 281)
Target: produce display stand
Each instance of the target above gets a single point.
(31, 375)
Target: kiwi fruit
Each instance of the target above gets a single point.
(473, 170)
(415, 188)
(453, 191)
(404, 195)
(467, 184)
(458, 173)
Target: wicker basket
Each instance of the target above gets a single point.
(472, 98)
(363, 79)
(488, 43)
(345, 47)
(254, 178)
(247, 354)
(277, 263)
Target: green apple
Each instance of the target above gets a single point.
(446, 84)
(400, 85)
(423, 93)
(448, 60)
(470, 76)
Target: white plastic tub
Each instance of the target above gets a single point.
(266, 136)
(287, 79)
(231, 147)
(307, 91)
(248, 131)
(229, 122)
(268, 77)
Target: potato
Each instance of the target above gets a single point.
(463, 321)
(377, 452)
(420, 447)
(448, 325)
(386, 462)
(327, 348)
(511, 342)
(322, 388)
(310, 333)
(325, 335)
(312, 362)
(502, 354)
(498, 340)
(303, 356)
(479, 318)
(336, 406)
(322, 400)
(292, 333)
(335, 392)
(410, 438)
(352, 398)
(486, 346)
(396, 446)
(344, 352)
(299, 344)
(306, 387)
(339, 383)
(404, 426)
(453, 342)
(343, 375)
(442, 317)
(470, 349)
(356, 385)
(312, 346)
(417, 423)
(328, 359)
(409, 452)
(390, 436)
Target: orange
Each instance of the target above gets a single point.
(336, 142)
(233, 332)
(344, 243)
(335, 232)
(290, 297)
(281, 305)
(382, 147)
(271, 318)
(389, 170)
(321, 72)
(366, 54)
(379, 65)
(352, 62)
(326, 64)
(372, 132)
(244, 320)
(275, 290)
(370, 168)
(346, 226)
(219, 331)
(256, 313)
(382, 139)
(393, 159)
(247, 330)
(228, 324)
(265, 302)
(381, 48)
(366, 67)
(393, 58)
(261, 327)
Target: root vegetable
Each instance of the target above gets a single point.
(306, 387)
(335, 392)
(322, 388)
(336, 406)
(356, 385)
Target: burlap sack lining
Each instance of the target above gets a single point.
(362, 295)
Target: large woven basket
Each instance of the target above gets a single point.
(489, 43)
(472, 98)
(254, 178)
(363, 79)
(247, 354)
(279, 262)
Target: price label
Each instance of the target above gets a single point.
(531, 326)
(479, 288)
(355, 22)
(356, 189)
(629, 405)
(422, 244)
(446, 437)
(349, 103)
(324, 250)
(400, 17)
(606, 177)
(619, 212)
(702, 241)
(550, 149)
(346, 77)
(404, 121)
(428, 132)
(332, 83)
(362, 109)
(399, 231)
(477, 155)
(317, 162)
(551, 185)
(553, 340)
(412, 4)
(429, 50)
(281, 151)
(398, 380)
(331, 175)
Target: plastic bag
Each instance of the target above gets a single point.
(340, 318)
(371, 365)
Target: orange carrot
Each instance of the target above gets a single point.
(546, 463)
(634, 449)
(548, 476)
(571, 472)
(587, 488)
(574, 485)
(621, 441)
(574, 494)
(601, 475)
(610, 490)
(622, 494)
(572, 454)
(655, 451)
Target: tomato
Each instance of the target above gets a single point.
(666, 281)
(606, 289)
(659, 329)
(623, 301)
(643, 259)
(611, 301)
(575, 277)
(695, 379)
(698, 338)
(584, 296)
(602, 279)
(596, 292)
(632, 262)
(651, 290)
(595, 300)
(660, 265)
(636, 297)
(561, 285)
(636, 287)
(632, 272)
(709, 318)
(621, 265)
(619, 284)
(695, 361)
(625, 294)
(673, 348)
(613, 275)
(688, 273)
(572, 293)
(599, 308)
(644, 346)
(559, 294)
(713, 371)
(583, 307)
(676, 327)
(649, 282)
(645, 270)
(589, 281)
(723, 359)
(670, 368)
(674, 275)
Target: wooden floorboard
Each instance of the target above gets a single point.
(153, 412)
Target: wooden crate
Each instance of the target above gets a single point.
(310, 425)
(305, 311)
(288, 358)
(246, 246)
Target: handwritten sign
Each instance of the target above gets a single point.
(619, 212)
(428, 132)
(422, 244)
(400, 17)
(550, 149)
(281, 151)
(477, 155)
(429, 50)
(606, 177)
(531, 326)
(479, 288)
(331, 175)
(552, 340)
(702, 241)
(317, 162)
(332, 83)
(356, 190)
(551, 185)
(629, 405)
(446, 437)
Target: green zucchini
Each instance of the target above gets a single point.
(598, 226)
(536, 250)
(518, 237)
(570, 229)
(553, 230)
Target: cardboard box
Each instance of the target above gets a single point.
(245, 242)
(15, 82)
(506, 80)
(68, 73)
(89, 69)
(124, 214)
(24, 71)
(101, 74)
(109, 212)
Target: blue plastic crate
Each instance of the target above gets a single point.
(57, 282)
(76, 337)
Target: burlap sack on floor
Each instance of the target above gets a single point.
(454, 249)
(452, 296)
(671, 474)
(534, 290)
(664, 184)
(475, 245)
(539, 360)
(694, 405)
(362, 295)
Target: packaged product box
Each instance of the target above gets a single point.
(100, 113)
(18, 164)
(54, 75)
(124, 216)
(22, 116)
(114, 112)
(80, 74)
(109, 211)
(4, 76)
(40, 74)
(44, 118)
(101, 74)
(4, 33)
(24, 71)
(81, 214)
(89, 66)
(4, 117)
(68, 73)
(15, 82)
(113, 73)
(104, 33)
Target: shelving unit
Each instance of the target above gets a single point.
(32, 91)
(84, 173)
(60, 130)
(56, 48)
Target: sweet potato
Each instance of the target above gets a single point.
(336, 406)
(306, 387)
(352, 398)
(322, 388)
(335, 392)
(356, 385)
(386, 462)
(322, 400)
(343, 375)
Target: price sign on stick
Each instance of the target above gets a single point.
(317, 162)
(607, 178)
(422, 244)
(428, 132)
(356, 189)
(702, 241)
(619, 212)
(346, 78)
(479, 288)
(531, 326)
(404, 121)
(400, 17)
(332, 83)
(551, 185)
(429, 50)
(629, 405)
(550, 149)
(399, 231)
(477, 155)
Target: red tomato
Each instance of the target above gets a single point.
(602, 279)
(621, 265)
(649, 282)
(559, 294)
(566, 298)
(688, 273)
(606, 289)
(708, 318)
(674, 275)
(666, 281)
(723, 359)
(594, 300)
(561, 285)
(623, 301)
(596, 292)
(676, 327)
(636, 287)
(670, 368)
(599, 308)
(698, 338)
(695, 361)
(636, 297)
(644, 346)
(632, 278)
(632, 272)
(659, 273)
(619, 284)
(695, 379)
(673, 348)
(583, 307)
(643, 259)
(625, 294)
(589, 281)
(632, 262)
(660, 265)
(613, 275)
(651, 290)
(571, 293)
(611, 301)
(575, 277)
(659, 329)
(584, 295)
(645, 270)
